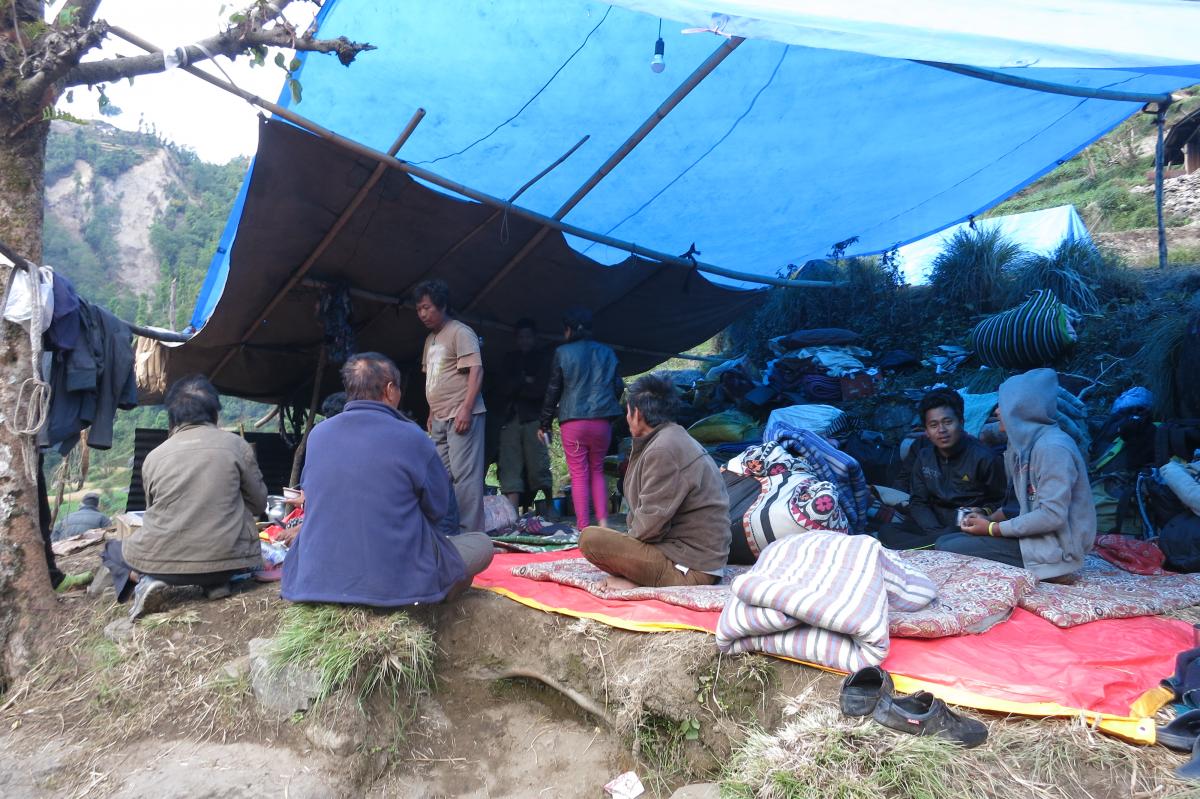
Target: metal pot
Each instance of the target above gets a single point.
(276, 509)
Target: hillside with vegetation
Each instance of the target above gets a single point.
(1111, 184)
(133, 220)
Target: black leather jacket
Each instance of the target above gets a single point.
(972, 477)
(584, 384)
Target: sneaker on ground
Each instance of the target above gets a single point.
(148, 597)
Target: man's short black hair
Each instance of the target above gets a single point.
(525, 323)
(367, 374)
(579, 321)
(333, 404)
(436, 290)
(942, 398)
(192, 400)
(655, 396)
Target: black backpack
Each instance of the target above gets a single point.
(1157, 503)
(1178, 438)
(1180, 543)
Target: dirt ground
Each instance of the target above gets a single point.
(527, 704)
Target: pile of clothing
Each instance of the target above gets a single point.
(817, 365)
(88, 363)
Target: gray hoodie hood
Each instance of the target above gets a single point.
(1028, 405)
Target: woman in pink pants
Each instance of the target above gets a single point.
(585, 394)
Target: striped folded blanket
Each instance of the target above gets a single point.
(1033, 334)
(831, 464)
(822, 598)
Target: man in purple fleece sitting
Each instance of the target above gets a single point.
(376, 499)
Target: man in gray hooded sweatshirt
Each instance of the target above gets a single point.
(1054, 522)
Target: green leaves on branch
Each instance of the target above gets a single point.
(50, 114)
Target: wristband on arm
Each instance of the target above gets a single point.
(992, 528)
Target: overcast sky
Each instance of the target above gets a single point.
(184, 109)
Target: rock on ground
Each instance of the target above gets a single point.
(119, 630)
(281, 692)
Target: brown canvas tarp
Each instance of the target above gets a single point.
(399, 236)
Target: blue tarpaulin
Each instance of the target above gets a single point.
(781, 152)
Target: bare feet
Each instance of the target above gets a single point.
(614, 583)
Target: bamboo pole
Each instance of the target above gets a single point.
(675, 98)
(496, 214)
(1021, 82)
(298, 458)
(467, 191)
(323, 245)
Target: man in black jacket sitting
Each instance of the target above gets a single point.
(951, 470)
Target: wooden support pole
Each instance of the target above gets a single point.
(675, 98)
(298, 458)
(1160, 122)
(467, 191)
(324, 243)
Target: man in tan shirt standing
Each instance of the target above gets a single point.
(453, 377)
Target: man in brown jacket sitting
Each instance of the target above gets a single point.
(678, 509)
(203, 494)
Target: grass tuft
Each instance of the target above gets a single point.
(1079, 275)
(372, 653)
(818, 754)
(973, 270)
(1157, 359)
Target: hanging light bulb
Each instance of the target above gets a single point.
(658, 64)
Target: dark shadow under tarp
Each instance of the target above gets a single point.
(401, 235)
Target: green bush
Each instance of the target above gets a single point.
(1079, 274)
(974, 270)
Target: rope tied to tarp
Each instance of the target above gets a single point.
(32, 405)
(690, 255)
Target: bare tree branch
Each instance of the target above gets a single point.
(61, 52)
(261, 24)
(227, 44)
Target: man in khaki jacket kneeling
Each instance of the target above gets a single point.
(678, 510)
(204, 492)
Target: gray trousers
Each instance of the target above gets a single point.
(524, 460)
(476, 551)
(462, 455)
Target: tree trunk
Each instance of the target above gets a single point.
(27, 603)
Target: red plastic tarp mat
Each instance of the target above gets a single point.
(1103, 666)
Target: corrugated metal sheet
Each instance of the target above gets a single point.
(274, 460)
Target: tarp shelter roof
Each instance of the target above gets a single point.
(816, 130)
(1038, 232)
(298, 189)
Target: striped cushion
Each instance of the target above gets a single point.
(1033, 334)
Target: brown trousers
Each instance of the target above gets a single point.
(639, 562)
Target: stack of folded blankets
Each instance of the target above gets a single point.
(821, 597)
